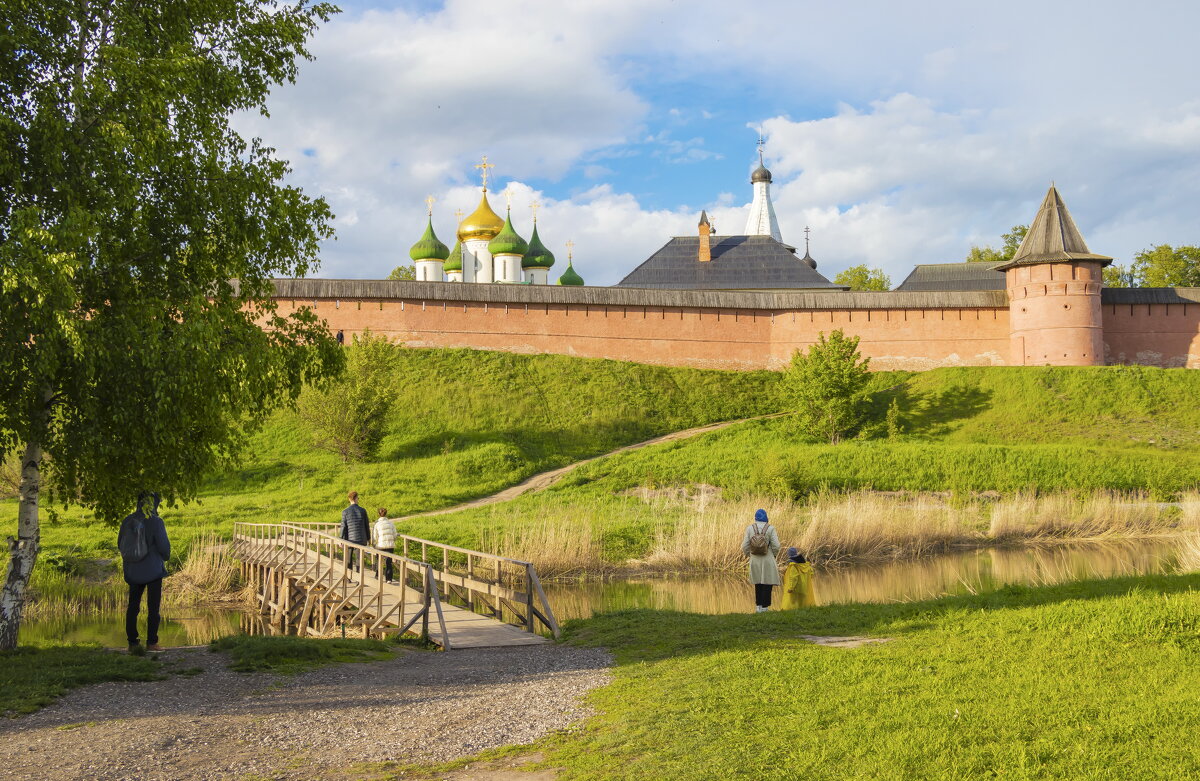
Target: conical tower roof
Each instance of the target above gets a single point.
(537, 256)
(507, 241)
(1052, 238)
(428, 247)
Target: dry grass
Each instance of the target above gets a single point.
(209, 576)
(699, 531)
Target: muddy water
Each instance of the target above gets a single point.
(975, 571)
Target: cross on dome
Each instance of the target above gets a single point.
(570, 247)
(429, 200)
(534, 206)
(485, 165)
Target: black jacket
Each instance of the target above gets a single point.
(354, 525)
(154, 565)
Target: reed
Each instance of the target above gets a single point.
(209, 575)
(681, 530)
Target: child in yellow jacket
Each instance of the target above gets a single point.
(797, 582)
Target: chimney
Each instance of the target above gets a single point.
(705, 253)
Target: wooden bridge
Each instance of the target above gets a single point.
(455, 597)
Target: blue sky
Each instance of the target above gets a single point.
(901, 133)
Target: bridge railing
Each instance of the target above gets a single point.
(316, 553)
(505, 588)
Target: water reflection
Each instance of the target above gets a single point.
(973, 571)
(197, 627)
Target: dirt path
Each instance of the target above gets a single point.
(218, 724)
(544, 480)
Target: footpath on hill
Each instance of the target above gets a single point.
(544, 480)
(213, 723)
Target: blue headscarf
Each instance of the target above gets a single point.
(760, 516)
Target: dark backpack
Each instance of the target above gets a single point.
(760, 543)
(132, 540)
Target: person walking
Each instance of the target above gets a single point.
(384, 535)
(797, 582)
(761, 544)
(354, 529)
(145, 550)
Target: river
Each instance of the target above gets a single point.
(964, 572)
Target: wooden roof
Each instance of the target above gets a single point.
(353, 289)
(1053, 237)
(738, 263)
(953, 276)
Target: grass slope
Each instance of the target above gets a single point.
(469, 423)
(1088, 680)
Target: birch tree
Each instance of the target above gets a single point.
(138, 237)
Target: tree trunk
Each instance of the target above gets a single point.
(22, 550)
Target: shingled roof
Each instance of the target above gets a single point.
(738, 263)
(1053, 237)
(954, 276)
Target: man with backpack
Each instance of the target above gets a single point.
(761, 544)
(145, 549)
(354, 529)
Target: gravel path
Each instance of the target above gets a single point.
(218, 724)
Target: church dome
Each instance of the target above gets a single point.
(428, 247)
(454, 260)
(761, 174)
(537, 256)
(483, 223)
(569, 277)
(507, 241)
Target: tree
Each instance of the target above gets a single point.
(347, 416)
(828, 386)
(1011, 243)
(863, 278)
(1117, 276)
(138, 237)
(1166, 266)
(408, 272)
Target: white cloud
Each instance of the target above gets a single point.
(935, 133)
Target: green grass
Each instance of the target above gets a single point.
(469, 423)
(1088, 680)
(32, 677)
(290, 655)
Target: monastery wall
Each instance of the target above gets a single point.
(1152, 327)
(732, 330)
(704, 329)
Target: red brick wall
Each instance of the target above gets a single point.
(1166, 335)
(678, 336)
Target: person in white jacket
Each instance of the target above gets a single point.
(764, 572)
(383, 537)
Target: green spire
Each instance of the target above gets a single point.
(537, 256)
(454, 261)
(429, 248)
(569, 277)
(507, 242)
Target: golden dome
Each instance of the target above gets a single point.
(483, 223)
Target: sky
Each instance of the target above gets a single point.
(898, 133)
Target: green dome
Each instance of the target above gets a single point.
(454, 259)
(507, 242)
(569, 277)
(429, 248)
(537, 256)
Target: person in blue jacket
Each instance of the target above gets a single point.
(145, 550)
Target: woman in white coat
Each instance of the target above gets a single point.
(764, 572)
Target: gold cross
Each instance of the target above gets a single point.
(458, 215)
(485, 165)
(570, 247)
(535, 206)
(429, 202)
(508, 198)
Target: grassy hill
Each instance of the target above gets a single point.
(471, 423)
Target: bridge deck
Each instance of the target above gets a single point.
(364, 592)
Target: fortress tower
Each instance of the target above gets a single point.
(1053, 284)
